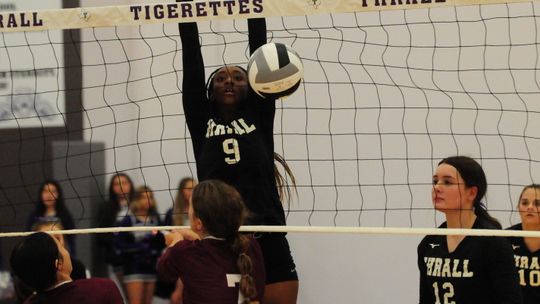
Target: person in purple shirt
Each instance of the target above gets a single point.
(215, 262)
(43, 264)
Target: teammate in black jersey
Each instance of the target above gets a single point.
(527, 249)
(232, 134)
(460, 269)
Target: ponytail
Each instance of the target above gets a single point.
(221, 210)
(284, 189)
(240, 246)
(481, 212)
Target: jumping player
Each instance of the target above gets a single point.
(232, 134)
(465, 269)
(527, 249)
(215, 262)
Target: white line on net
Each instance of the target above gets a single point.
(311, 229)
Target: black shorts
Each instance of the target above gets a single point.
(278, 261)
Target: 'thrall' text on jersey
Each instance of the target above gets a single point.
(447, 268)
(237, 126)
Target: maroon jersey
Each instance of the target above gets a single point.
(85, 291)
(208, 270)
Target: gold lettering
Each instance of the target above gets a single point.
(237, 128)
(466, 272)
(248, 129)
(455, 272)
(524, 262)
(437, 268)
(220, 130)
(429, 265)
(534, 263)
(446, 269)
(210, 129)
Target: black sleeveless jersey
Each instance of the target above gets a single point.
(528, 265)
(479, 271)
(239, 152)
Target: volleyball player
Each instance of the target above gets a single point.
(232, 134)
(465, 269)
(40, 262)
(79, 269)
(527, 249)
(215, 262)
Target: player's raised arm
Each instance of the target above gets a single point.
(267, 108)
(257, 33)
(194, 101)
(192, 61)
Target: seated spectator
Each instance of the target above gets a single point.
(41, 263)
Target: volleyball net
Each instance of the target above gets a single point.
(390, 88)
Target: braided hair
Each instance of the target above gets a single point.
(221, 210)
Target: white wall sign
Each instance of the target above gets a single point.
(31, 73)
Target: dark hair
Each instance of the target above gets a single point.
(62, 213)
(33, 261)
(473, 175)
(284, 188)
(221, 210)
(179, 202)
(59, 206)
(112, 196)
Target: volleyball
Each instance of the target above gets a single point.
(275, 70)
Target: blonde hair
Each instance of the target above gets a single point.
(180, 203)
(136, 204)
(46, 226)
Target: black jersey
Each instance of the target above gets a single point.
(528, 265)
(480, 270)
(240, 151)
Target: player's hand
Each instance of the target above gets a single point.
(189, 234)
(176, 236)
(172, 238)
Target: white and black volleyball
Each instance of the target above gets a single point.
(275, 70)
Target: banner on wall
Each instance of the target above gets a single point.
(31, 78)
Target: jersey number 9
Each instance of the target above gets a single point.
(230, 147)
